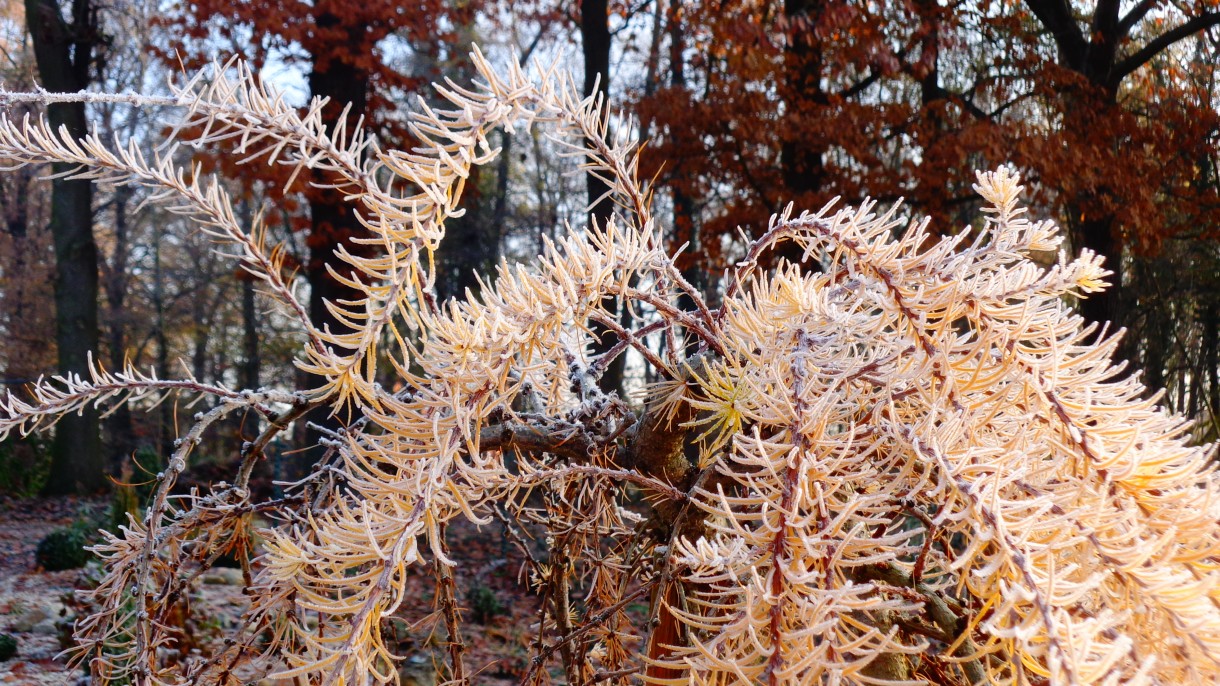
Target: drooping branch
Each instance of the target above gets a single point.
(64, 395)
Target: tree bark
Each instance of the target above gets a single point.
(1098, 235)
(804, 170)
(165, 425)
(64, 53)
(1209, 322)
(595, 42)
(333, 222)
(686, 227)
(253, 361)
(120, 427)
(802, 163)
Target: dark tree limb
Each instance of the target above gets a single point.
(1161, 42)
(1135, 15)
(568, 442)
(659, 446)
(1056, 16)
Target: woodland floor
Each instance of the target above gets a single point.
(35, 605)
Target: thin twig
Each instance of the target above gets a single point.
(447, 596)
(548, 650)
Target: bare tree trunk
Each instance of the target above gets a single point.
(253, 362)
(333, 222)
(246, 425)
(802, 162)
(199, 350)
(686, 226)
(119, 425)
(165, 426)
(16, 217)
(499, 213)
(1098, 235)
(64, 53)
(804, 169)
(595, 41)
(1210, 324)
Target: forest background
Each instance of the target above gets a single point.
(1109, 110)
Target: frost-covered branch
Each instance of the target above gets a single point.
(913, 464)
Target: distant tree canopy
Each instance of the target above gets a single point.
(1111, 109)
(1112, 112)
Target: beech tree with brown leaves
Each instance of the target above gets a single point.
(1110, 204)
(895, 100)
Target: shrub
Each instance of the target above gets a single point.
(8, 647)
(124, 506)
(63, 549)
(909, 462)
(24, 465)
(484, 604)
